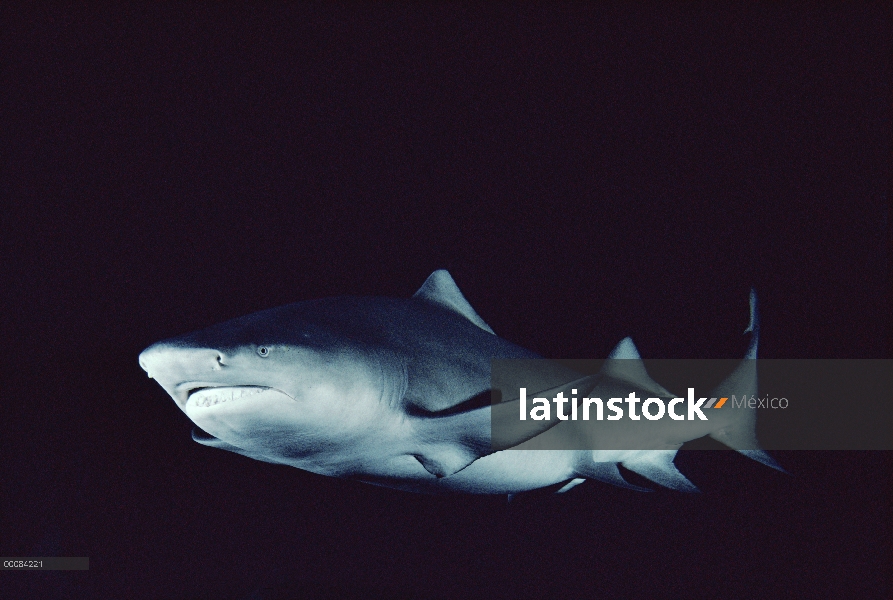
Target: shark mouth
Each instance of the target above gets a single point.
(209, 396)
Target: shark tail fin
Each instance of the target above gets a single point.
(740, 433)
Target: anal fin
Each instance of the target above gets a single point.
(762, 456)
(607, 472)
(657, 466)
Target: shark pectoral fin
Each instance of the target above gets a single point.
(440, 289)
(509, 430)
(468, 432)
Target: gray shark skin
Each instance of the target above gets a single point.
(395, 392)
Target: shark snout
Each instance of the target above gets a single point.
(180, 369)
(168, 362)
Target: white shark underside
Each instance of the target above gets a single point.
(396, 392)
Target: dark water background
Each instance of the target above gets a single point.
(584, 173)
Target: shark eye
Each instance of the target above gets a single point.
(263, 350)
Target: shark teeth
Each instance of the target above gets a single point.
(219, 395)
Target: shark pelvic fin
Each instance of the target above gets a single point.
(657, 465)
(445, 460)
(440, 289)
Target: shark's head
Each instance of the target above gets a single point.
(277, 384)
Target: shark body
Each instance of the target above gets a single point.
(395, 392)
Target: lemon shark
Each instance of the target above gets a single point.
(396, 392)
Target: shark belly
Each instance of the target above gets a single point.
(513, 471)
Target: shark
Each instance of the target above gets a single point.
(397, 392)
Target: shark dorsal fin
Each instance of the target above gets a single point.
(440, 289)
(626, 364)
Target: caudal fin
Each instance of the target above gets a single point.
(740, 434)
(736, 420)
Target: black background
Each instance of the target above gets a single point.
(584, 173)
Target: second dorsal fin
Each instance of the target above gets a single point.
(626, 364)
